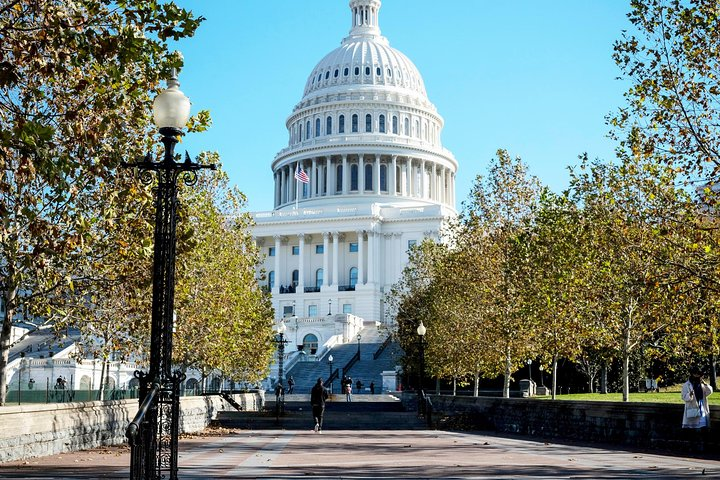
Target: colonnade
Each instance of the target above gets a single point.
(345, 174)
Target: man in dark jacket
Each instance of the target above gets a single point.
(318, 395)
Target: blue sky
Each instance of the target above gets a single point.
(535, 78)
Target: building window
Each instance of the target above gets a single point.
(337, 72)
(383, 178)
(395, 125)
(368, 177)
(271, 252)
(368, 123)
(271, 280)
(319, 248)
(307, 130)
(341, 124)
(357, 70)
(417, 129)
(411, 243)
(328, 126)
(317, 127)
(398, 179)
(288, 311)
(300, 137)
(354, 123)
(327, 74)
(378, 71)
(389, 72)
(407, 127)
(353, 247)
(295, 278)
(354, 177)
(339, 178)
(353, 276)
(367, 71)
(381, 119)
(347, 308)
(346, 72)
(319, 277)
(296, 250)
(310, 344)
(312, 311)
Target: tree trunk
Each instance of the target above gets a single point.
(454, 386)
(713, 372)
(506, 380)
(437, 386)
(101, 387)
(603, 378)
(5, 332)
(554, 377)
(476, 389)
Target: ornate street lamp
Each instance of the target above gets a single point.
(359, 337)
(153, 434)
(330, 360)
(529, 364)
(329, 307)
(421, 330)
(280, 340)
(542, 381)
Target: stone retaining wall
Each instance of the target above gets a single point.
(647, 425)
(34, 430)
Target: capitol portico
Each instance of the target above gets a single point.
(379, 181)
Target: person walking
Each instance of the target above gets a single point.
(318, 396)
(694, 393)
(291, 384)
(348, 389)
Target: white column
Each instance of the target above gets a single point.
(393, 177)
(278, 277)
(314, 177)
(376, 169)
(361, 257)
(433, 183)
(443, 188)
(361, 174)
(371, 257)
(336, 250)
(423, 182)
(282, 185)
(345, 175)
(326, 259)
(408, 177)
(301, 264)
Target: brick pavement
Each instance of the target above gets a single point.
(338, 454)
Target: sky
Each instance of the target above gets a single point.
(535, 78)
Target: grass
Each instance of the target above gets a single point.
(650, 397)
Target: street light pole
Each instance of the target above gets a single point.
(359, 337)
(529, 364)
(330, 360)
(153, 434)
(329, 307)
(421, 331)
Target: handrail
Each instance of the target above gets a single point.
(382, 347)
(132, 430)
(355, 358)
(333, 376)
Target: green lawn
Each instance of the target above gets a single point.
(662, 397)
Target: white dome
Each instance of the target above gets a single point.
(365, 58)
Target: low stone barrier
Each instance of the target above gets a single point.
(646, 425)
(34, 430)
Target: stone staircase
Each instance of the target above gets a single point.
(365, 412)
(367, 370)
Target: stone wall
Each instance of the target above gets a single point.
(646, 425)
(48, 429)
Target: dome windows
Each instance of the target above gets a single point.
(395, 124)
(357, 70)
(378, 71)
(368, 123)
(389, 72)
(328, 126)
(354, 123)
(368, 176)
(307, 130)
(337, 72)
(341, 124)
(327, 74)
(367, 71)
(317, 127)
(346, 72)
(381, 120)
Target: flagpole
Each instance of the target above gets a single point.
(297, 191)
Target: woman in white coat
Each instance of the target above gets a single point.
(694, 394)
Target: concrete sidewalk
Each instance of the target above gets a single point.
(377, 455)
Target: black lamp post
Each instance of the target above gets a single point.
(542, 381)
(330, 361)
(421, 330)
(359, 337)
(529, 364)
(329, 307)
(280, 340)
(153, 434)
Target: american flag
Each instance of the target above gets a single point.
(301, 176)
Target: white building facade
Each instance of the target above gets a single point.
(369, 139)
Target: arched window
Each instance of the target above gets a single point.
(368, 176)
(354, 123)
(271, 280)
(417, 129)
(337, 72)
(327, 74)
(381, 119)
(295, 278)
(353, 276)
(338, 178)
(378, 71)
(407, 127)
(368, 123)
(307, 130)
(319, 277)
(310, 344)
(345, 72)
(300, 137)
(383, 178)
(317, 127)
(341, 124)
(328, 126)
(398, 179)
(395, 125)
(354, 177)
(357, 70)
(367, 71)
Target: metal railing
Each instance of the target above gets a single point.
(382, 347)
(140, 433)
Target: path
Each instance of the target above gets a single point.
(339, 454)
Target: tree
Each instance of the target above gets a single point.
(672, 62)
(75, 86)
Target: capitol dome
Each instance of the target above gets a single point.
(364, 127)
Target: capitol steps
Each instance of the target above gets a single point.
(365, 412)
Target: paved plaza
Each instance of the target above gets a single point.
(277, 454)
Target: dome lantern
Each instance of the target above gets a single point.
(365, 17)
